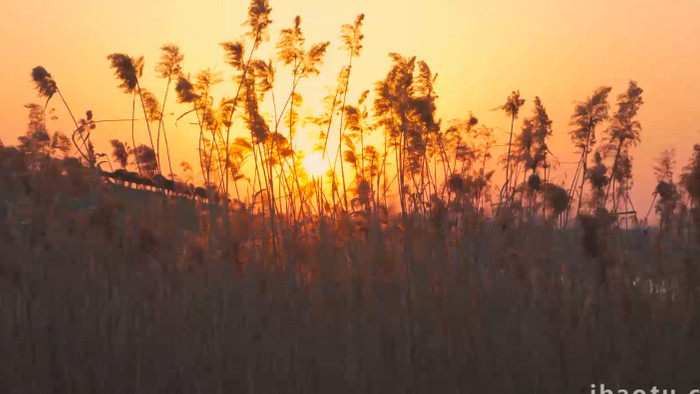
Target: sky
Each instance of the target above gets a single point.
(559, 50)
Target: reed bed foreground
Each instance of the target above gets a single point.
(105, 290)
(265, 279)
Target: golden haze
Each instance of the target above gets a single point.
(558, 50)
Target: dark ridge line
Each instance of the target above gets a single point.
(158, 181)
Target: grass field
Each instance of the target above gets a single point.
(399, 264)
(101, 291)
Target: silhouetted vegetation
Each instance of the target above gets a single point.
(407, 267)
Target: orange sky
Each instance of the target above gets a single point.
(560, 50)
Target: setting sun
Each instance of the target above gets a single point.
(315, 165)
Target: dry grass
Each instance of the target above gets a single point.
(105, 290)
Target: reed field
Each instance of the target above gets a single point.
(412, 262)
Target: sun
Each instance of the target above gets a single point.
(315, 165)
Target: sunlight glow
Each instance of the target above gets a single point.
(482, 51)
(315, 165)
